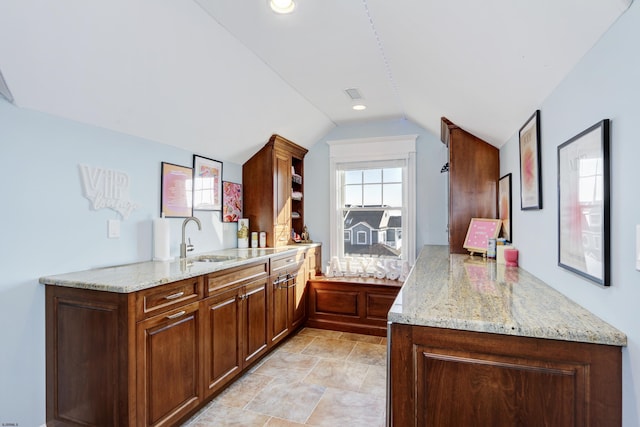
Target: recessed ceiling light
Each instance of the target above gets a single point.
(282, 6)
(359, 107)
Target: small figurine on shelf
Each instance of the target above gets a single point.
(305, 235)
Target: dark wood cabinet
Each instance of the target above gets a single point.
(153, 357)
(89, 343)
(288, 309)
(222, 339)
(255, 309)
(474, 171)
(351, 304)
(444, 377)
(235, 330)
(168, 366)
(273, 190)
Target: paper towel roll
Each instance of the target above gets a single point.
(161, 239)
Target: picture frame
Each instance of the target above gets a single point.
(176, 191)
(504, 206)
(584, 204)
(231, 201)
(479, 232)
(530, 164)
(207, 184)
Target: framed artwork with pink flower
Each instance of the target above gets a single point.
(504, 206)
(530, 176)
(231, 201)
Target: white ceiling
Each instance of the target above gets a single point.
(218, 77)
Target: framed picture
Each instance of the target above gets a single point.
(231, 201)
(479, 232)
(530, 176)
(207, 184)
(504, 206)
(583, 204)
(176, 191)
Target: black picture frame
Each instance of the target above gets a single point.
(504, 206)
(584, 204)
(530, 164)
(207, 184)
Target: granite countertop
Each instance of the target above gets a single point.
(473, 294)
(142, 275)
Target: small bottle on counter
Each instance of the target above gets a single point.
(254, 239)
(491, 248)
(263, 239)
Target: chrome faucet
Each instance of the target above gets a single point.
(184, 248)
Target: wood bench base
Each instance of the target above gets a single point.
(351, 304)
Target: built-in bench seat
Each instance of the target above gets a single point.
(351, 304)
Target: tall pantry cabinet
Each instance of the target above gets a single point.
(474, 171)
(273, 190)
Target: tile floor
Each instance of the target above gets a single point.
(316, 378)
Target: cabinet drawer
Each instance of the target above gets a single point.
(236, 276)
(150, 302)
(287, 264)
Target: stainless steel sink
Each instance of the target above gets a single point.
(213, 258)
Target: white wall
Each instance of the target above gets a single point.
(431, 186)
(48, 228)
(605, 84)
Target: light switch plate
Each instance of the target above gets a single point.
(113, 228)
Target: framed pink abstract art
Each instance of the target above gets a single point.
(530, 176)
(583, 204)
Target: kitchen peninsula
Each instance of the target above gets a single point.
(149, 343)
(476, 343)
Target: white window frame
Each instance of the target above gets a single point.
(400, 147)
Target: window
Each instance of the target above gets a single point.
(374, 197)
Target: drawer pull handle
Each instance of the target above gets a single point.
(280, 280)
(176, 315)
(174, 296)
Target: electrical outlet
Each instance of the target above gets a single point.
(113, 229)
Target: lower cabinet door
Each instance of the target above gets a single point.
(168, 366)
(222, 339)
(298, 297)
(255, 309)
(279, 308)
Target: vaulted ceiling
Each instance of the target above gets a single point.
(218, 77)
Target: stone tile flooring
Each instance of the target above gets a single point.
(316, 378)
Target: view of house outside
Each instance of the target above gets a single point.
(372, 212)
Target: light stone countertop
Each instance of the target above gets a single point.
(142, 275)
(473, 294)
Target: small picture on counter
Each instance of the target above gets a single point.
(231, 201)
(504, 205)
(583, 204)
(207, 184)
(479, 232)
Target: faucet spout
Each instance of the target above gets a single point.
(184, 248)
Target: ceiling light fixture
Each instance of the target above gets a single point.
(359, 107)
(282, 6)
